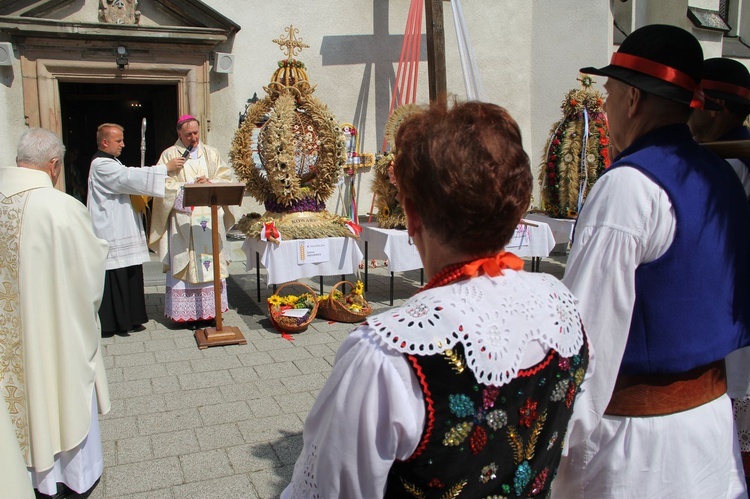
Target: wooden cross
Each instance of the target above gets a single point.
(436, 50)
(291, 44)
(379, 52)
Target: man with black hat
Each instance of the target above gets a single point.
(726, 83)
(660, 265)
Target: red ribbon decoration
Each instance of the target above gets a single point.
(728, 88)
(662, 72)
(355, 228)
(493, 265)
(270, 231)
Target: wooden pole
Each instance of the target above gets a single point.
(730, 148)
(215, 195)
(217, 262)
(436, 51)
(218, 335)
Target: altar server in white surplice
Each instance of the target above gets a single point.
(110, 185)
(182, 234)
(52, 375)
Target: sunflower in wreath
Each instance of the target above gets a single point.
(290, 151)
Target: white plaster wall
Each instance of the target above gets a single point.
(528, 54)
(569, 35)
(501, 32)
(705, 4)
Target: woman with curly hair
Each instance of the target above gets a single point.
(468, 386)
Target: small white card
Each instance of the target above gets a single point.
(295, 312)
(312, 251)
(520, 237)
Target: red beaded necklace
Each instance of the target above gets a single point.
(492, 266)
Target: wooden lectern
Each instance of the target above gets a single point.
(215, 195)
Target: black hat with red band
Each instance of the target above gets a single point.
(726, 79)
(659, 59)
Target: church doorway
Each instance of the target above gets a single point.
(84, 106)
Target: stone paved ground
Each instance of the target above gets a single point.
(224, 422)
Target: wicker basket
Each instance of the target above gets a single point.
(292, 324)
(334, 310)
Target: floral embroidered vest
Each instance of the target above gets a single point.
(486, 441)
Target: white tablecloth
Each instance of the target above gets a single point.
(282, 265)
(562, 228)
(534, 242)
(392, 245)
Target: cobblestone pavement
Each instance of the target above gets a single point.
(224, 422)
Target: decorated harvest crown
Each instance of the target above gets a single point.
(390, 212)
(290, 152)
(576, 152)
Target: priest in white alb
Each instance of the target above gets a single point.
(110, 186)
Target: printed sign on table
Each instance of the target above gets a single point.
(520, 237)
(312, 251)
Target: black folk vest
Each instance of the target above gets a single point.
(481, 440)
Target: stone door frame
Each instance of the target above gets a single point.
(43, 66)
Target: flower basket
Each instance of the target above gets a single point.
(340, 307)
(279, 304)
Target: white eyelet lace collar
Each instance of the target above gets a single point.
(493, 318)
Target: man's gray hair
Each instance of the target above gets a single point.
(38, 146)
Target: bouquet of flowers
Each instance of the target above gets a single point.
(292, 313)
(340, 307)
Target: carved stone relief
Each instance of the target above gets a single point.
(119, 11)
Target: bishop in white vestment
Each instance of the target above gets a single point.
(182, 234)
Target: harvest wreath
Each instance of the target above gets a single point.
(290, 152)
(390, 212)
(576, 153)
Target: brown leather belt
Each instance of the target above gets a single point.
(661, 394)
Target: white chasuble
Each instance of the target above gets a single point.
(182, 234)
(51, 281)
(13, 474)
(12, 378)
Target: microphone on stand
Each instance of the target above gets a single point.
(187, 151)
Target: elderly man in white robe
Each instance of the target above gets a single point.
(51, 275)
(182, 234)
(110, 186)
